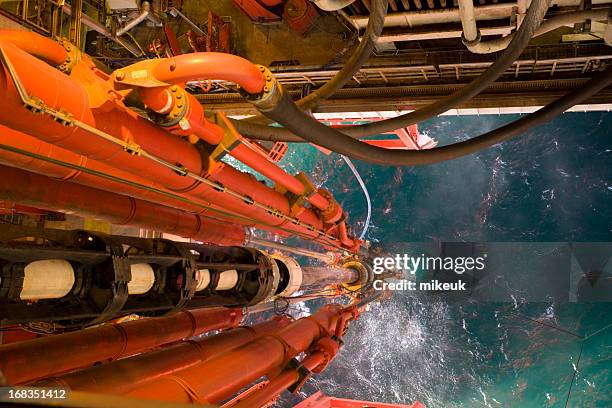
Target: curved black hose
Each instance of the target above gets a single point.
(535, 14)
(376, 22)
(314, 131)
(378, 11)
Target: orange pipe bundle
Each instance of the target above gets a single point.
(29, 360)
(119, 377)
(220, 377)
(91, 98)
(42, 192)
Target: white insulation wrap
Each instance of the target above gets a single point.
(47, 279)
(203, 279)
(143, 278)
(295, 274)
(227, 280)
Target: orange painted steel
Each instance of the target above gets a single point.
(161, 100)
(121, 376)
(220, 377)
(29, 360)
(42, 192)
(317, 359)
(31, 144)
(320, 400)
(280, 383)
(202, 65)
(205, 66)
(100, 106)
(42, 47)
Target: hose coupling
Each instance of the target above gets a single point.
(271, 93)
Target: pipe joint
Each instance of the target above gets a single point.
(297, 201)
(271, 94)
(364, 273)
(473, 43)
(179, 105)
(329, 347)
(73, 56)
(333, 213)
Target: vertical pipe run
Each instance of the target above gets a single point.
(75, 23)
(161, 100)
(280, 383)
(468, 20)
(27, 143)
(68, 94)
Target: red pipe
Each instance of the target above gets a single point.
(39, 191)
(220, 377)
(91, 105)
(343, 234)
(29, 360)
(30, 144)
(315, 361)
(121, 376)
(12, 208)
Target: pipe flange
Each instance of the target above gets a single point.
(180, 105)
(329, 347)
(72, 58)
(333, 213)
(271, 94)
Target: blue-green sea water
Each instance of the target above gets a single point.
(553, 183)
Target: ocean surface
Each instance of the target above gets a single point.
(552, 184)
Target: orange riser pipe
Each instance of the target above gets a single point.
(66, 93)
(160, 100)
(119, 377)
(279, 383)
(219, 378)
(42, 192)
(41, 47)
(31, 144)
(29, 360)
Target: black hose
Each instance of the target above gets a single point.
(378, 11)
(535, 14)
(376, 22)
(314, 131)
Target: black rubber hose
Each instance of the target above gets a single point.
(535, 14)
(314, 131)
(376, 22)
(378, 11)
